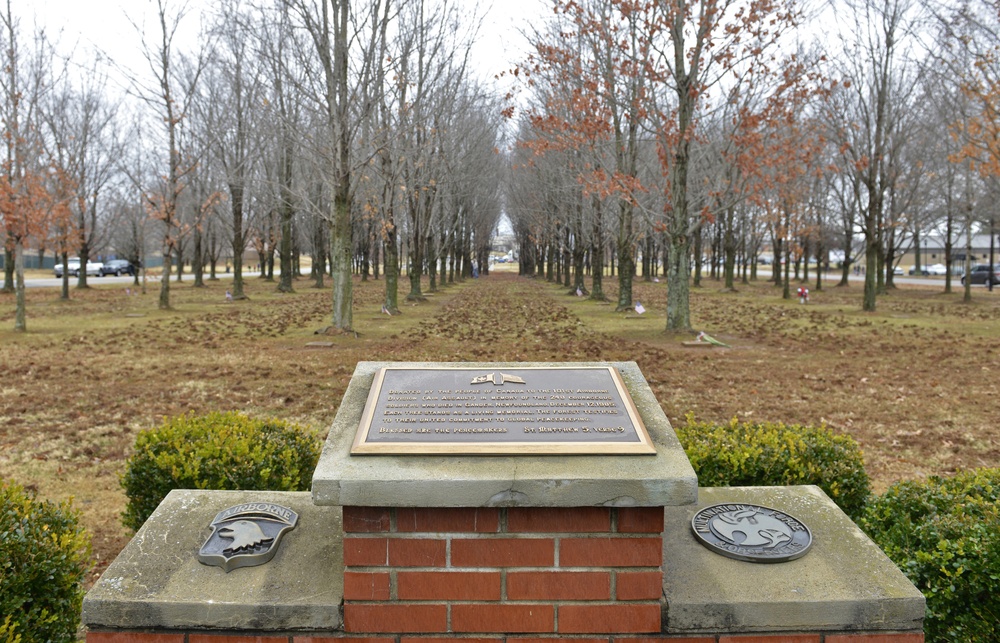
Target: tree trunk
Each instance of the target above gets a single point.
(343, 293)
(64, 291)
(597, 256)
(626, 258)
(81, 277)
(20, 314)
(431, 254)
(286, 215)
(239, 239)
(8, 266)
(729, 249)
(416, 266)
(699, 238)
(391, 268)
(678, 286)
(164, 302)
(198, 263)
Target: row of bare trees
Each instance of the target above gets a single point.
(358, 135)
(688, 132)
(681, 137)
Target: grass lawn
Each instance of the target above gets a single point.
(917, 383)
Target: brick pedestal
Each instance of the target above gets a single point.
(576, 570)
(501, 549)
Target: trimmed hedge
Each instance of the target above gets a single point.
(217, 451)
(944, 533)
(770, 454)
(44, 557)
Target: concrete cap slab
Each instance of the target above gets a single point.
(844, 582)
(341, 478)
(157, 581)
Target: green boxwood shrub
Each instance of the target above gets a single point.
(44, 557)
(770, 454)
(216, 451)
(944, 533)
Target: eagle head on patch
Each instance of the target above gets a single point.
(246, 536)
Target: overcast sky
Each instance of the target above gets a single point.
(104, 24)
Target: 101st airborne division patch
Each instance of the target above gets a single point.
(246, 535)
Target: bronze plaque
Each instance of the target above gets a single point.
(493, 411)
(752, 533)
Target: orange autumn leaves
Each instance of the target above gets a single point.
(35, 204)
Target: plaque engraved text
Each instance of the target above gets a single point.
(529, 410)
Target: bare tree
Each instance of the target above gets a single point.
(24, 195)
(170, 97)
(333, 33)
(877, 64)
(82, 125)
(231, 101)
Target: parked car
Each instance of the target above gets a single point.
(73, 267)
(897, 271)
(937, 269)
(979, 274)
(118, 267)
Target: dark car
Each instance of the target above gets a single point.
(118, 267)
(980, 273)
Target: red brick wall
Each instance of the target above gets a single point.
(585, 570)
(196, 637)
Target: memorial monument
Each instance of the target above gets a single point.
(491, 501)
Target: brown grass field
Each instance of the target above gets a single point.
(917, 383)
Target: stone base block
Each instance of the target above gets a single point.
(158, 582)
(845, 583)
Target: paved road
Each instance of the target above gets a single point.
(899, 280)
(125, 280)
(828, 278)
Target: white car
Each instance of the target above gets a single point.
(94, 268)
(937, 269)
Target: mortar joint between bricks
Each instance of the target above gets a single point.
(614, 520)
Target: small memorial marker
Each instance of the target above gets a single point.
(494, 411)
(752, 533)
(247, 535)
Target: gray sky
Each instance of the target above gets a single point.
(103, 24)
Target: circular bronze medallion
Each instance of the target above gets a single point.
(751, 533)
